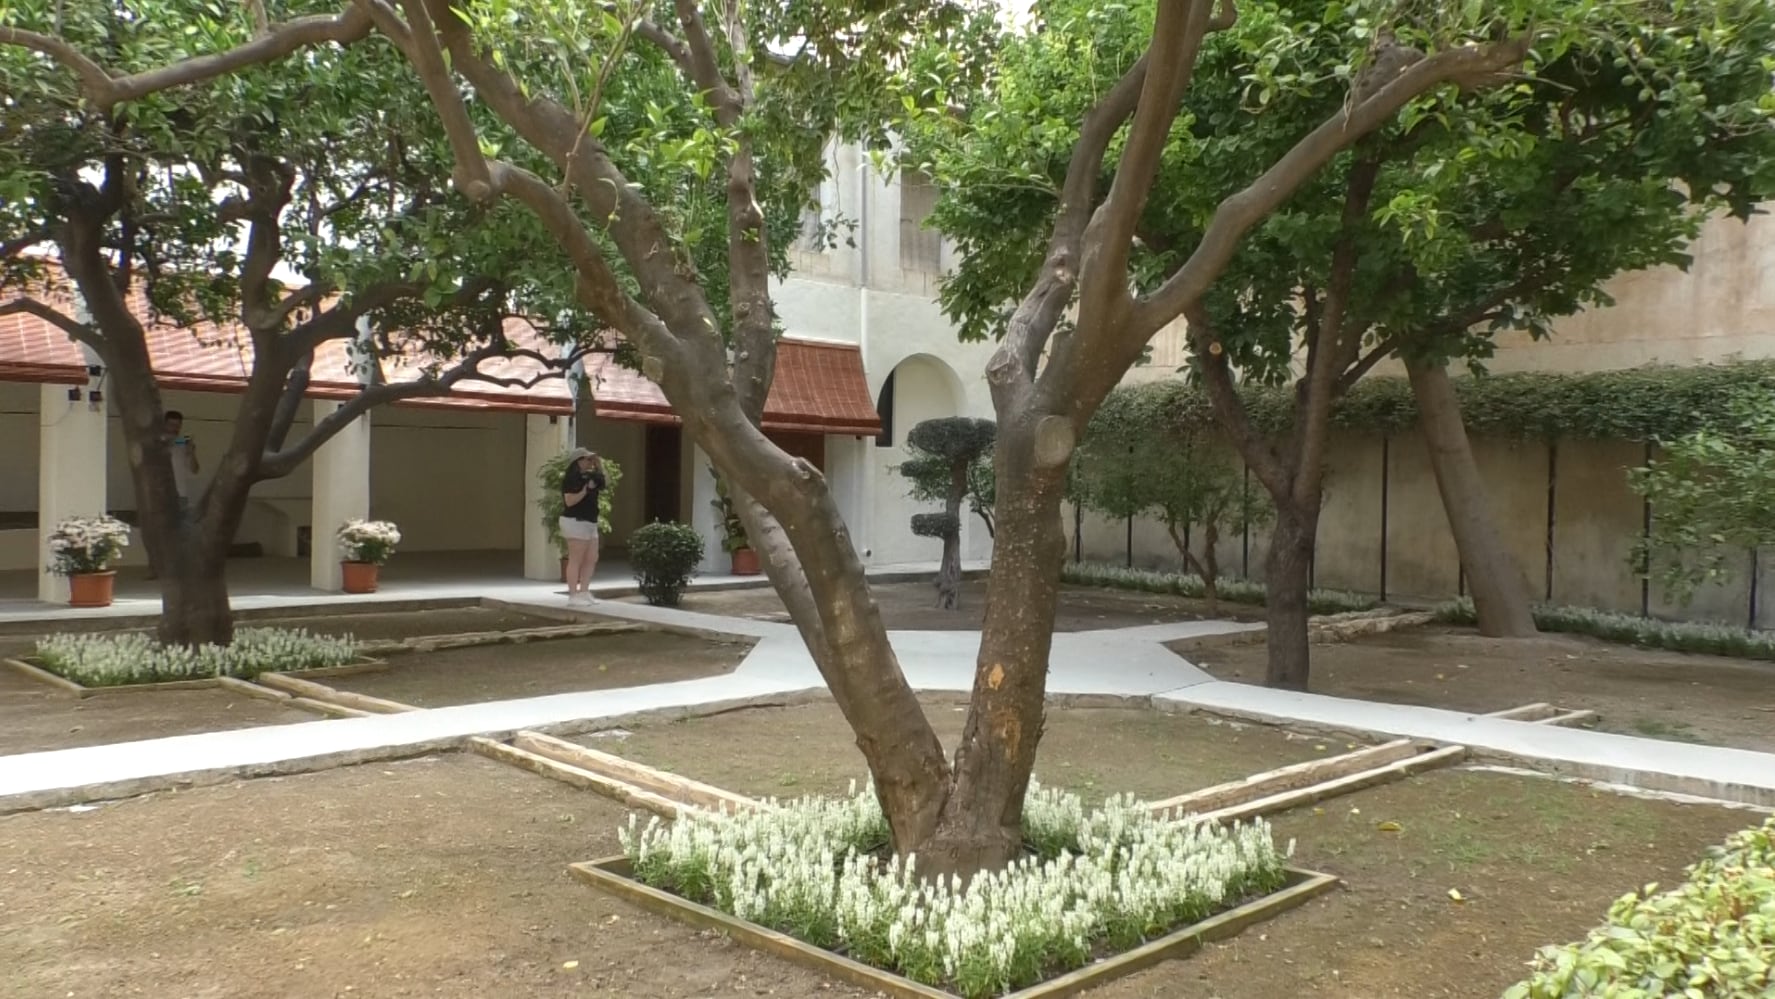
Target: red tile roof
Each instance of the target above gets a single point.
(208, 358)
(819, 388)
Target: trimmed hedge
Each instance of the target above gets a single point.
(1650, 403)
(1704, 637)
(1712, 936)
(1238, 591)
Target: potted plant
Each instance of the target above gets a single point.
(82, 549)
(550, 475)
(733, 532)
(364, 545)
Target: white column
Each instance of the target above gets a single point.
(70, 471)
(702, 513)
(544, 437)
(341, 492)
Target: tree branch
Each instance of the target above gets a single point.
(1223, 396)
(76, 330)
(470, 175)
(1012, 368)
(467, 368)
(290, 403)
(1239, 212)
(105, 91)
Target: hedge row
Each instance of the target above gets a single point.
(1237, 591)
(1706, 638)
(1651, 403)
(1711, 936)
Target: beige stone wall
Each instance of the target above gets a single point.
(1596, 518)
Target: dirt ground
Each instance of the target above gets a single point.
(35, 716)
(912, 607)
(445, 877)
(497, 672)
(808, 749)
(1645, 692)
(409, 624)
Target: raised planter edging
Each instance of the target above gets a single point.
(613, 874)
(27, 667)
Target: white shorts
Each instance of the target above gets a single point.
(574, 529)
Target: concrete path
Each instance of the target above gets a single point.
(1129, 663)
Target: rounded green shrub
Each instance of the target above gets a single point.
(664, 557)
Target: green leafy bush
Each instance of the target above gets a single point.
(111, 660)
(1239, 591)
(1703, 637)
(1649, 403)
(1712, 937)
(665, 556)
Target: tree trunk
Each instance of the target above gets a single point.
(1500, 592)
(981, 824)
(1288, 574)
(1211, 567)
(949, 572)
(194, 607)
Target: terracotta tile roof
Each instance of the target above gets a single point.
(32, 350)
(208, 358)
(819, 388)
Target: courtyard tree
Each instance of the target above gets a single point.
(297, 203)
(633, 131)
(950, 462)
(1713, 500)
(1140, 457)
(1476, 210)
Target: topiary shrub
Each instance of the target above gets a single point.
(664, 557)
(947, 456)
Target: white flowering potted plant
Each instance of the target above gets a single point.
(82, 549)
(364, 545)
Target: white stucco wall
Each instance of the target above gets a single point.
(862, 295)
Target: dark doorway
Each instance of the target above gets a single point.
(663, 476)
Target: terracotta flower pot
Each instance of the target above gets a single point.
(745, 562)
(359, 577)
(91, 589)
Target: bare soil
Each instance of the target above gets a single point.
(1536, 862)
(35, 716)
(438, 877)
(396, 625)
(1644, 692)
(912, 607)
(531, 669)
(446, 877)
(809, 749)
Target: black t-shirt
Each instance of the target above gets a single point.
(574, 481)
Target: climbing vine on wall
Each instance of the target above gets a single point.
(1651, 403)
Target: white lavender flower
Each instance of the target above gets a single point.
(108, 660)
(811, 868)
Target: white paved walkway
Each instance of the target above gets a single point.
(1129, 663)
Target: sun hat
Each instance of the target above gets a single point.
(580, 452)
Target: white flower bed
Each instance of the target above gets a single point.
(1097, 881)
(108, 660)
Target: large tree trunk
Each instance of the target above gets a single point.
(1500, 592)
(1287, 578)
(194, 608)
(981, 825)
